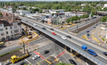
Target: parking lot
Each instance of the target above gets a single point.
(56, 51)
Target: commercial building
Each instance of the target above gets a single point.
(23, 12)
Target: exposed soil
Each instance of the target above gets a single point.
(8, 56)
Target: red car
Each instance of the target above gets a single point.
(53, 33)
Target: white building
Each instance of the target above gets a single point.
(105, 6)
(39, 16)
(70, 14)
(22, 6)
(23, 12)
(10, 30)
(55, 11)
(83, 4)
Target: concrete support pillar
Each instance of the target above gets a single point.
(71, 50)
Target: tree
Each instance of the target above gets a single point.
(24, 8)
(1, 14)
(68, 20)
(87, 8)
(14, 9)
(40, 10)
(104, 19)
(105, 9)
(94, 11)
(35, 10)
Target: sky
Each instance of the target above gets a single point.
(52, 0)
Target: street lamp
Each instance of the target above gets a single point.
(77, 28)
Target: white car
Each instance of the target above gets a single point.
(34, 24)
(63, 37)
(35, 57)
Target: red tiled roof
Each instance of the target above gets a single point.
(9, 19)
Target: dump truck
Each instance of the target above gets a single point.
(15, 58)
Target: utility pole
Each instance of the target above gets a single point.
(24, 47)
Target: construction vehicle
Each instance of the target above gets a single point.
(15, 58)
(29, 37)
(2, 43)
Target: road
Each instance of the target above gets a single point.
(10, 48)
(77, 41)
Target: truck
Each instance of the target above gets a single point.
(90, 51)
(84, 47)
(15, 58)
(2, 43)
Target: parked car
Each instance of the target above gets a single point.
(53, 33)
(105, 53)
(35, 57)
(68, 36)
(46, 51)
(44, 28)
(72, 62)
(63, 37)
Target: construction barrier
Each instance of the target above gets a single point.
(84, 36)
(95, 39)
(67, 27)
(22, 37)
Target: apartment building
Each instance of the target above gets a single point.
(10, 30)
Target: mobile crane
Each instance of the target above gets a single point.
(15, 58)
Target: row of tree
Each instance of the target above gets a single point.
(104, 19)
(75, 18)
(68, 6)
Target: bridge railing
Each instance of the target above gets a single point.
(87, 55)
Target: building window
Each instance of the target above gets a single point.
(6, 32)
(15, 26)
(16, 31)
(6, 28)
(11, 31)
(1, 29)
(10, 27)
(2, 34)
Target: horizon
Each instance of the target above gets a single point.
(48, 0)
